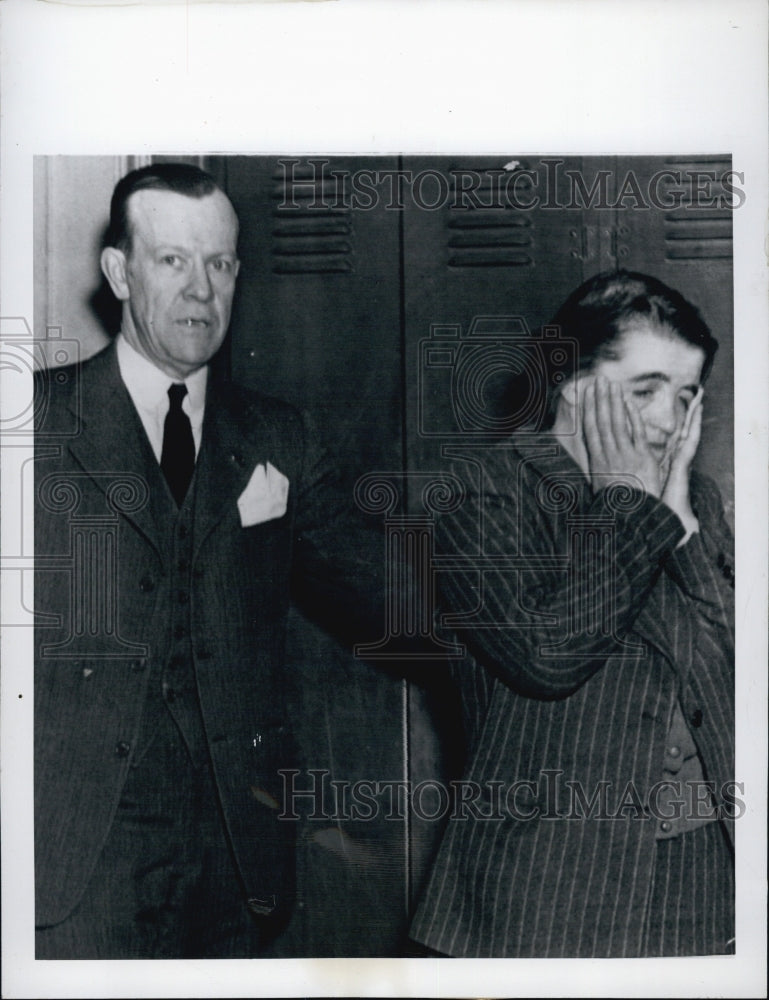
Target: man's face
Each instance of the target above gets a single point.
(178, 278)
(661, 374)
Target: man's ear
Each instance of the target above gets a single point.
(113, 265)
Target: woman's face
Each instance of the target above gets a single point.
(660, 373)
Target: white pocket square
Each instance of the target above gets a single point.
(265, 496)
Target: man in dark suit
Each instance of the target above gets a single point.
(589, 571)
(175, 516)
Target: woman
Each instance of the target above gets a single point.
(590, 580)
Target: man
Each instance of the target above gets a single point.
(591, 579)
(174, 517)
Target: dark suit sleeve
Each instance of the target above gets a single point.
(338, 567)
(544, 617)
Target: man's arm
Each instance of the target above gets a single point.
(338, 566)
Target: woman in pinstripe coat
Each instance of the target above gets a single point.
(589, 575)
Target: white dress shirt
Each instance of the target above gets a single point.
(148, 388)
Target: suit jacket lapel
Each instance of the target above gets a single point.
(228, 456)
(111, 445)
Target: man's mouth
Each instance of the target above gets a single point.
(192, 321)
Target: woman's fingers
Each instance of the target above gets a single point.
(637, 428)
(589, 421)
(694, 412)
(619, 418)
(603, 415)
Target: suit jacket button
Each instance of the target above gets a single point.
(146, 584)
(122, 749)
(263, 906)
(696, 719)
(666, 826)
(138, 665)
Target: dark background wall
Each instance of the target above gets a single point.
(344, 278)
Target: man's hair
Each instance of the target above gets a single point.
(598, 312)
(181, 178)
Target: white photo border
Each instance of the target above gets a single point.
(401, 76)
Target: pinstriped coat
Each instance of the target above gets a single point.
(583, 624)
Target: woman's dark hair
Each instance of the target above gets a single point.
(181, 178)
(597, 313)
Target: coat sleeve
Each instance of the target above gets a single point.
(338, 567)
(703, 567)
(543, 608)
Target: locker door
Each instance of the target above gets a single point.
(491, 248)
(316, 321)
(685, 239)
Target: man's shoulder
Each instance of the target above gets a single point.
(57, 388)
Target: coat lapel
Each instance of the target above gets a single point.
(229, 453)
(111, 445)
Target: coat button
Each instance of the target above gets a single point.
(146, 584)
(138, 665)
(263, 906)
(122, 749)
(666, 826)
(674, 751)
(696, 719)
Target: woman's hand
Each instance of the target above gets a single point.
(676, 487)
(615, 438)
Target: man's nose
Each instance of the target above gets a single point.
(199, 284)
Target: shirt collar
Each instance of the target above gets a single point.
(148, 385)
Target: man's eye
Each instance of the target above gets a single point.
(643, 393)
(222, 265)
(171, 259)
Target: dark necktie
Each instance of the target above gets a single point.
(178, 458)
